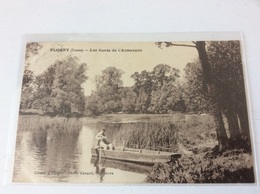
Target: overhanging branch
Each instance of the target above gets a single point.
(168, 44)
(174, 44)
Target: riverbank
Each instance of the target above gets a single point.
(233, 166)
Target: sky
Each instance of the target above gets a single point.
(100, 55)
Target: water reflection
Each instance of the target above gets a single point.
(47, 156)
(100, 170)
(125, 166)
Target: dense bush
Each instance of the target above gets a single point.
(229, 167)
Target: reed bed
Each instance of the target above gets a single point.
(161, 132)
(143, 135)
(37, 123)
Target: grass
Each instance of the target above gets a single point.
(169, 132)
(197, 134)
(39, 123)
(143, 135)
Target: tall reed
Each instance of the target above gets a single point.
(168, 133)
(38, 123)
(155, 134)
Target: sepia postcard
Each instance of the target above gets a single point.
(133, 112)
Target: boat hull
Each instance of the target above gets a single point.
(147, 157)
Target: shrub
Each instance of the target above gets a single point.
(232, 167)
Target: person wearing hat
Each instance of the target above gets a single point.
(101, 137)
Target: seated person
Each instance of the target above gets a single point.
(102, 142)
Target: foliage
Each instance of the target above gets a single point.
(32, 48)
(225, 57)
(128, 97)
(111, 77)
(226, 65)
(58, 90)
(107, 97)
(157, 91)
(194, 89)
(226, 61)
(28, 77)
(28, 89)
(166, 99)
(196, 132)
(94, 105)
(229, 167)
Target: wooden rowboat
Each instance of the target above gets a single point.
(147, 157)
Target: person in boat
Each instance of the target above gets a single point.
(102, 141)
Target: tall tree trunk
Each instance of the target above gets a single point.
(216, 112)
(243, 118)
(233, 125)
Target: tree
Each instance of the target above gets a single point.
(211, 88)
(59, 88)
(32, 48)
(164, 75)
(194, 89)
(226, 61)
(222, 72)
(128, 97)
(165, 95)
(157, 90)
(94, 105)
(143, 88)
(109, 86)
(28, 87)
(111, 76)
(42, 95)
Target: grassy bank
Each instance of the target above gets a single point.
(229, 167)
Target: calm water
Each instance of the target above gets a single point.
(66, 157)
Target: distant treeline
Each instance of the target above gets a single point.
(59, 90)
(157, 91)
